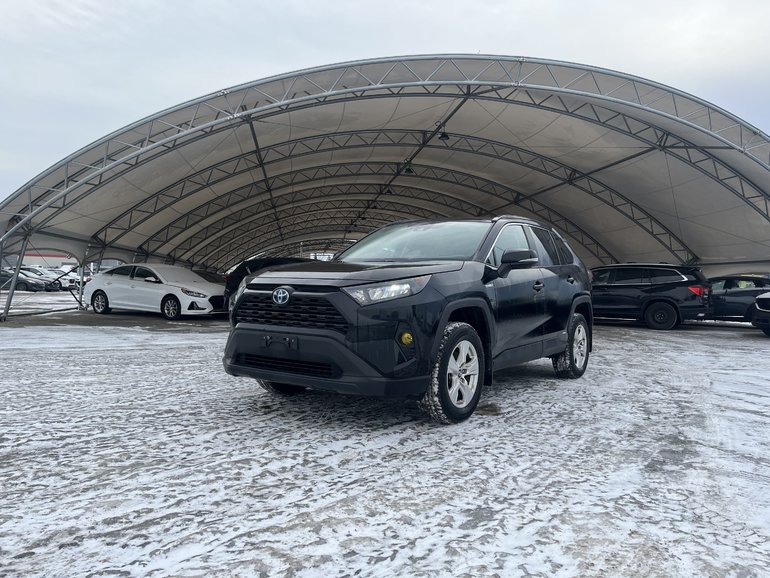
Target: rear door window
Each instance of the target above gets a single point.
(630, 276)
(545, 247)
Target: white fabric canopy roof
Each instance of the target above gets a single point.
(627, 169)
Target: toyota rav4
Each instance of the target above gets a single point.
(423, 310)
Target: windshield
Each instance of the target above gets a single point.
(211, 277)
(457, 240)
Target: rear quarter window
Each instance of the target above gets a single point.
(664, 276)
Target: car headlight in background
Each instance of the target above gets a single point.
(191, 293)
(378, 292)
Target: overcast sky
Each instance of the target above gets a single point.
(72, 71)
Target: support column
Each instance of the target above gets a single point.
(16, 270)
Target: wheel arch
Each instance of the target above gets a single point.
(476, 313)
(582, 304)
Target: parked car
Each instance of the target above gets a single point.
(51, 281)
(732, 296)
(168, 289)
(659, 294)
(68, 279)
(25, 282)
(422, 310)
(250, 267)
(761, 315)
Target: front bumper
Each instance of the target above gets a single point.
(319, 359)
(761, 319)
(202, 306)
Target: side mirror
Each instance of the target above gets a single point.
(151, 280)
(516, 259)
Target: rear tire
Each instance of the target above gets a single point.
(22, 286)
(457, 376)
(100, 303)
(573, 361)
(661, 316)
(280, 388)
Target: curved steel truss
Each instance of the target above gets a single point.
(614, 161)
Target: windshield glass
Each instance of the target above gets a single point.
(211, 277)
(457, 240)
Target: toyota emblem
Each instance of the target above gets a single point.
(280, 296)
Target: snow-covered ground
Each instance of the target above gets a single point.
(126, 450)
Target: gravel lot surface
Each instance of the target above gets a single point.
(125, 450)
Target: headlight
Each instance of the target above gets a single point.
(191, 293)
(378, 292)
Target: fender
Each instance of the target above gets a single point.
(467, 302)
(581, 300)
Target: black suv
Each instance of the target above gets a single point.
(423, 310)
(660, 294)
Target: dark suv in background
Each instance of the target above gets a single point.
(422, 310)
(659, 294)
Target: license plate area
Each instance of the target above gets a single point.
(281, 341)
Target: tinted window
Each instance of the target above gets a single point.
(602, 276)
(544, 247)
(629, 275)
(718, 285)
(123, 271)
(511, 237)
(664, 276)
(565, 255)
(143, 273)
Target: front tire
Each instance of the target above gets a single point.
(280, 388)
(457, 376)
(171, 308)
(573, 361)
(661, 316)
(100, 303)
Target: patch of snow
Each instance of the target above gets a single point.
(127, 449)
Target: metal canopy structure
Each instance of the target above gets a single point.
(627, 169)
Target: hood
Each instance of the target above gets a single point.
(339, 274)
(210, 289)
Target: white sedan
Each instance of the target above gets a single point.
(167, 289)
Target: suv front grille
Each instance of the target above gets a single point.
(302, 311)
(764, 303)
(312, 368)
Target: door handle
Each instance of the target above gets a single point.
(538, 286)
(571, 279)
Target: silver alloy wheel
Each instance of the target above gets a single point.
(462, 373)
(580, 346)
(171, 308)
(100, 302)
